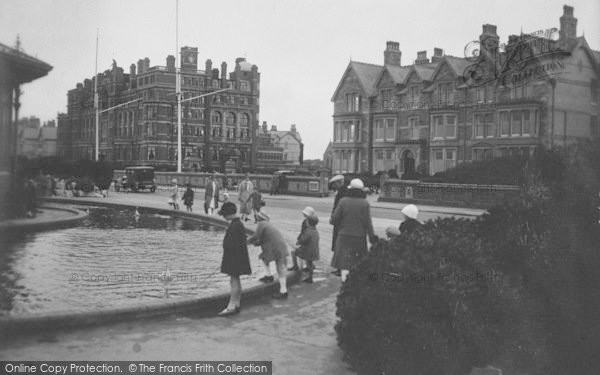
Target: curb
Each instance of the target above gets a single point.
(198, 307)
(24, 226)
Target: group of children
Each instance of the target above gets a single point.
(274, 248)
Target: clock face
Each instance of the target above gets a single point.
(190, 59)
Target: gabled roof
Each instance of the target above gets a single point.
(425, 71)
(367, 75)
(282, 133)
(457, 65)
(398, 73)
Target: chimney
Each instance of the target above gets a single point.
(392, 54)
(264, 126)
(421, 58)
(146, 64)
(273, 128)
(438, 55)
(238, 61)
(132, 70)
(568, 24)
(140, 66)
(170, 63)
(488, 41)
(293, 129)
(223, 71)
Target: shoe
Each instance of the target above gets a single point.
(228, 312)
(308, 280)
(266, 279)
(294, 268)
(336, 273)
(280, 295)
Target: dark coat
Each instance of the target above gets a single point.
(409, 225)
(352, 216)
(274, 247)
(309, 244)
(235, 250)
(188, 197)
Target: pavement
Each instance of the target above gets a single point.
(296, 334)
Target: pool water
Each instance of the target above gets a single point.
(115, 258)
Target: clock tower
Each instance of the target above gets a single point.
(189, 58)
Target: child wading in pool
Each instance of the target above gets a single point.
(307, 244)
(235, 257)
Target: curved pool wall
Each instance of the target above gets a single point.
(74, 218)
(197, 307)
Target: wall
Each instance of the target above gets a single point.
(297, 185)
(458, 195)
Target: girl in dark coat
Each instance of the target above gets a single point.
(188, 198)
(235, 261)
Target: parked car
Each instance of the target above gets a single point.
(137, 178)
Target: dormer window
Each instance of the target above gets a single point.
(352, 102)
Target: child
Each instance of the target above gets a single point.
(235, 257)
(188, 198)
(256, 200)
(174, 197)
(274, 248)
(307, 245)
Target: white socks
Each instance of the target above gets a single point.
(344, 275)
(267, 269)
(282, 284)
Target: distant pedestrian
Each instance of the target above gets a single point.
(275, 184)
(338, 183)
(256, 202)
(211, 196)
(235, 260)
(188, 198)
(174, 196)
(245, 188)
(274, 248)
(353, 218)
(307, 244)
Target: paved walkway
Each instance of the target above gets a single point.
(297, 334)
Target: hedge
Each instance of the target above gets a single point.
(518, 287)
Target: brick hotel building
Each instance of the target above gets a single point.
(217, 130)
(538, 89)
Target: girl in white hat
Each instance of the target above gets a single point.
(409, 219)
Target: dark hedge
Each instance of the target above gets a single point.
(518, 287)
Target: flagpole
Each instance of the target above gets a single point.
(96, 99)
(178, 86)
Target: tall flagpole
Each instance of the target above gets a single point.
(178, 87)
(96, 99)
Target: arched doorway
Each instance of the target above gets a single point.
(408, 162)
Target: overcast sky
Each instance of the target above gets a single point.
(301, 47)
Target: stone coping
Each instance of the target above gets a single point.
(45, 222)
(197, 307)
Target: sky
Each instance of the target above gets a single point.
(301, 47)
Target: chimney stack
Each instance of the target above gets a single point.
(146, 64)
(438, 55)
(568, 24)
(392, 54)
(170, 63)
(223, 73)
(421, 58)
(140, 66)
(273, 128)
(293, 129)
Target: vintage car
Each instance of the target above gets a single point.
(137, 178)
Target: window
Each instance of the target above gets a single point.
(445, 93)
(595, 88)
(216, 118)
(390, 130)
(352, 102)
(379, 130)
(151, 152)
(516, 128)
(594, 127)
(244, 86)
(385, 98)
(444, 126)
(504, 124)
(483, 125)
(413, 128)
(230, 119)
(443, 159)
(526, 123)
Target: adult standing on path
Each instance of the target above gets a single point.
(211, 196)
(338, 184)
(352, 216)
(244, 190)
(235, 260)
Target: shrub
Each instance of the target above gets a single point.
(427, 303)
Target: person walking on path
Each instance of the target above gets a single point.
(244, 190)
(338, 184)
(256, 201)
(353, 218)
(174, 197)
(274, 185)
(274, 248)
(211, 196)
(307, 244)
(235, 260)
(188, 198)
